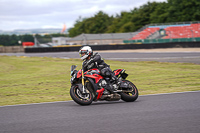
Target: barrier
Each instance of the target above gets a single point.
(11, 49)
(197, 39)
(115, 47)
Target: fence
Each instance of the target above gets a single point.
(114, 47)
(11, 49)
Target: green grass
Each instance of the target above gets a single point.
(40, 79)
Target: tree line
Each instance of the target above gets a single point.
(16, 40)
(149, 13)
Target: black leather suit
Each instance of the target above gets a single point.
(96, 61)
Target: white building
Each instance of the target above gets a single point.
(60, 40)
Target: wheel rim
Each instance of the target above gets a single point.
(83, 97)
(134, 92)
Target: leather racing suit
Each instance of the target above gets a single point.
(96, 61)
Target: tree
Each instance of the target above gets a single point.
(27, 38)
(14, 40)
(128, 27)
(4, 40)
(78, 27)
(159, 15)
(151, 12)
(183, 10)
(99, 23)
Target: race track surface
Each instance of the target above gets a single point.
(166, 113)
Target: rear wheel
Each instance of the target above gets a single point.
(131, 95)
(79, 97)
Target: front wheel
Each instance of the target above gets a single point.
(79, 97)
(130, 96)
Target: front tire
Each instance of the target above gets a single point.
(130, 96)
(80, 98)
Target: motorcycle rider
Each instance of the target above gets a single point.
(95, 61)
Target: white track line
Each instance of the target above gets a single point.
(72, 100)
(34, 103)
(171, 93)
(155, 58)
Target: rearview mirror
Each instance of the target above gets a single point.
(73, 67)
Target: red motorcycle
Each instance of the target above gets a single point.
(86, 88)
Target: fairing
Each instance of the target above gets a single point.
(118, 71)
(94, 74)
(79, 74)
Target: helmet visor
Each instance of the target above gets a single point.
(83, 54)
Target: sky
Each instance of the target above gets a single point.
(34, 14)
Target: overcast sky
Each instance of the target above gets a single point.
(31, 14)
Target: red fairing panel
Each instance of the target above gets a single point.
(95, 76)
(100, 93)
(79, 74)
(117, 72)
(93, 73)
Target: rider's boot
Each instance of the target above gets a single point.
(115, 80)
(109, 88)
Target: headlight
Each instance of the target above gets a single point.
(73, 78)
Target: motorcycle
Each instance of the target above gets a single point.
(86, 87)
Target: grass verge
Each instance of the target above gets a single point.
(26, 80)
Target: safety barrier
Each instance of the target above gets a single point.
(11, 49)
(163, 40)
(115, 47)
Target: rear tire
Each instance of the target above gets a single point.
(79, 98)
(130, 96)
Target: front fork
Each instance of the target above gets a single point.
(83, 83)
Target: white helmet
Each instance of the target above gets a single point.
(85, 51)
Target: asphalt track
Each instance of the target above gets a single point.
(174, 113)
(177, 57)
(166, 113)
